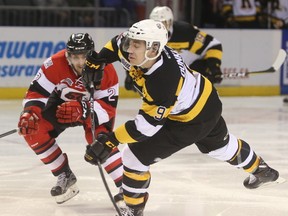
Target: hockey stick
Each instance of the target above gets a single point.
(275, 67)
(92, 116)
(8, 133)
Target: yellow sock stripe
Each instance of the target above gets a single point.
(238, 151)
(145, 176)
(133, 201)
(254, 166)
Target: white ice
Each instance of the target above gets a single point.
(187, 184)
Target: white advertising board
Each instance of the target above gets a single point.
(23, 49)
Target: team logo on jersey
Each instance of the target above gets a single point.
(38, 75)
(48, 62)
(200, 38)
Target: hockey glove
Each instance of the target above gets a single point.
(100, 149)
(93, 70)
(29, 121)
(73, 112)
(213, 72)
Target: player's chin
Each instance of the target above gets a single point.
(133, 61)
(78, 71)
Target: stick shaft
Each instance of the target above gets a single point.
(8, 133)
(92, 116)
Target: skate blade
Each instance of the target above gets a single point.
(70, 193)
(278, 181)
(120, 204)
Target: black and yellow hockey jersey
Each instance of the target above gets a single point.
(169, 90)
(193, 44)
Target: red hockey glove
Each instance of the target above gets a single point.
(100, 149)
(29, 121)
(73, 112)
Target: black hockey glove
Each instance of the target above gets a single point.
(213, 71)
(93, 70)
(100, 149)
(129, 82)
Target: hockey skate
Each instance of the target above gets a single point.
(264, 175)
(119, 199)
(133, 210)
(65, 187)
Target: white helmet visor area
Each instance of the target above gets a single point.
(127, 42)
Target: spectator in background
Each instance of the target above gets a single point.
(122, 7)
(211, 14)
(61, 16)
(241, 14)
(84, 18)
(277, 14)
(277, 18)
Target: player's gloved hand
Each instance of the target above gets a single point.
(128, 83)
(29, 121)
(100, 149)
(73, 112)
(93, 70)
(213, 72)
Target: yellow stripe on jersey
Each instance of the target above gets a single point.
(198, 106)
(122, 135)
(226, 8)
(199, 42)
(213, 53)
(145, 93)
(254, 166)
(244, 18)
(178, 45)
(133, 201)
(109, 46)
(153, 110)
(180, 84)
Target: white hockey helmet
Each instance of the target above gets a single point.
(152, 32)
(163, 14)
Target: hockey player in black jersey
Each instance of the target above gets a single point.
(201, 51)
(179, 107)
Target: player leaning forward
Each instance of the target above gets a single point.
(180, 107)
(57, 99)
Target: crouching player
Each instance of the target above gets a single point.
(57, 100)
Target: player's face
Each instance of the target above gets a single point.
(136, 50)
(78, 61)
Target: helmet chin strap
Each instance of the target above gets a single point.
(146, 59)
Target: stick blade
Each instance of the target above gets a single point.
(280, 59)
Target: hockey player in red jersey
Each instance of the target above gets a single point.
(56, 100)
